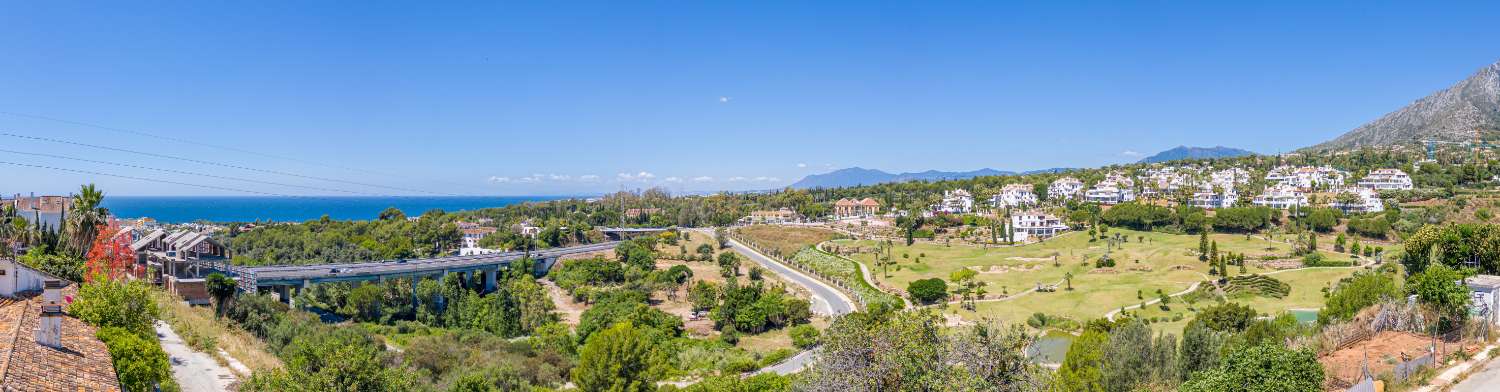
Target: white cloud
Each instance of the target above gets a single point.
(673, 179)
(497, 179)
(767, 179)
(801, 165)
(642, 176)
(736, 179)
(588, 178)
(559, 177)
(725, 99)
(1130, 153)
(702, 179)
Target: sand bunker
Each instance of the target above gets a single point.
(1029, 259)
(1000, 269)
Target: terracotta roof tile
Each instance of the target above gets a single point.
(83, 364)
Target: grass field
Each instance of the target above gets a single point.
(784, 241)
(1146, 263)
(201, 330)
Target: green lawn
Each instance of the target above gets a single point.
(1162, 261)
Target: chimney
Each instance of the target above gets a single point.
(49, 329)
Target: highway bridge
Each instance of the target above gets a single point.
(284, 278)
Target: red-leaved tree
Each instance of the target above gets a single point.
(110, 255)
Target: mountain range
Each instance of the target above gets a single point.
(856, 176)
(1185, 152)
(1451, 115)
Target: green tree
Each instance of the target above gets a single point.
(729, 264)
(107, 303)
(804, 336)
(927, 290)
(1438, 287)
(139, 362)
(1199, 350)
(83, 220)
(618, 359)
(1262, 368)
(1203, 245)
(1082, 368)
(1357, 292)
(221, 288)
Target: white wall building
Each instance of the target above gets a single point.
(957, 201)
(1229, 178)
(1281, 196)
(1386, 179)
(1308, 177)
(1065, 188)
(1357, 201)
(1037, 225)
(1014, 195)
(1208, 197)
(1109, 192)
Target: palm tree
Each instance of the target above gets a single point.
(83, 219)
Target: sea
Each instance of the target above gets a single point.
(183, 209)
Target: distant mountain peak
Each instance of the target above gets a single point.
(1451, 114)
(856, 176)
(1185, 152)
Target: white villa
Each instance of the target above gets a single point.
(1386, 179)
(957, 201)
(1065, 188)
(1307, 177)
(1208, 197)
(1357, 200)
(1035, 225)
(1014, 195)
(1110, 192)
(1281, 196)
(1229, 178)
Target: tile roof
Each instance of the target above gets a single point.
(83, 364)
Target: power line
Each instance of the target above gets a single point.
(189, 173)
(145, 179)
(203, 162)
(210, 145)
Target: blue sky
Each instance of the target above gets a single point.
(513, 99)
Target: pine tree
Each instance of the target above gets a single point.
(1213, 250)
(1203, 245)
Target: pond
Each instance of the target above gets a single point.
(1305, 316)
(1050, 348)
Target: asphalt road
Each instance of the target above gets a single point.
(1486, 379)
(194, 371)
(826, 300)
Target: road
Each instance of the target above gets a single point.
(194, 371)
(1485, 379)
(826, 300)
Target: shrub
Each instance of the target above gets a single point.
(139, 363)
(113, 303)
(804, 336)
(928, 290)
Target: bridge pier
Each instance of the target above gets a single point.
(489, 279)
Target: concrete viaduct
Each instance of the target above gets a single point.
(285, 278)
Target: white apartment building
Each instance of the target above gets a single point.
(1037, 225)
(957, 201)
(1207, 197)
(1109, 192)
(1065, 188)
(1357, 200)
(1229, 178)
(1281, 196)
(1307, 177)
(1386, 179)
(1014, 195)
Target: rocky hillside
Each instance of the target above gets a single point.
(1450, 114)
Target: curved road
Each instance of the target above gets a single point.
(826, 300)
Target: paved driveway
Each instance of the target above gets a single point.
(194, 371)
